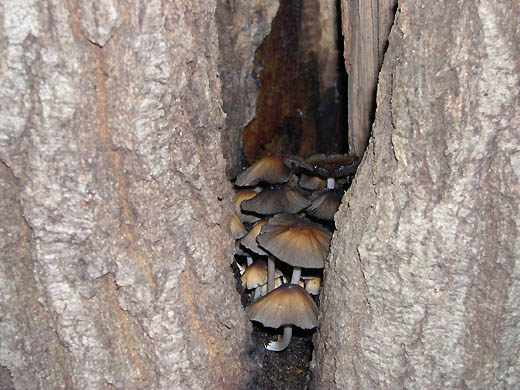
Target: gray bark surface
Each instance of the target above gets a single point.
(114, 202)
(423, 280)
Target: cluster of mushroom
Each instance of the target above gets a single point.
(288, 203)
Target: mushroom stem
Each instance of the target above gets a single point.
(296, 274)
(277, 346)
(249, 260)
(270, 273)
(258, 293)
(330, 183)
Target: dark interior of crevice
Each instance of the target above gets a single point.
(294, 115)
(296, 112)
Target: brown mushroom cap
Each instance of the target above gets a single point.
(333, 165)
(282, 199)
(289, 304)
(249, 240)
(238, 198)
(270, 169)
(311, 182)
(296, 241)
(255, 275)
(325, 205)
(238, 230)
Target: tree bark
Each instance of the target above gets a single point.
(423, 282)
(365, 26)
(114, 203)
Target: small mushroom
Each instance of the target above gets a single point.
(325, 205)
(313, 286)
(255, 276)
(285, 306)
(238, 230)
(238, 198)
(334, 165)
(240, 252)
(310, 182)
(295, 241)
(270, 169)
(249, 240)
(279, 199)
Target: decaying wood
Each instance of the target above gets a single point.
(365, 25)
(242, 27)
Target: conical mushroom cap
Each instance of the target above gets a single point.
(249, 240)
(270, 169)
(255, 275)
(295, 241)
(283, 199)
(325, 205)
(289, 304)
(237, 228)
(238, 198)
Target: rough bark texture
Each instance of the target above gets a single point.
(366, 25)
(242, 27)
(114, 201)
(423, 283)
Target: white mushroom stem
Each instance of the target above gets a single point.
(270, 273)
(330, 183)
(296, 274)
(258, 293)
(241, 269)
(249, 260)
(277, 346)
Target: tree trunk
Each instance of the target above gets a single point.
(114, 203)
(423, 283)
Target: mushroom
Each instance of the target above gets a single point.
(285, 306)
(240, 252)
(270, 169)
(238, 230)
(238, 198)
(311, 182)
(295, 241)
(249, 240)
(333, 166)
(255, 276)
(313, 285)
(325, 205)
(279, 199)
